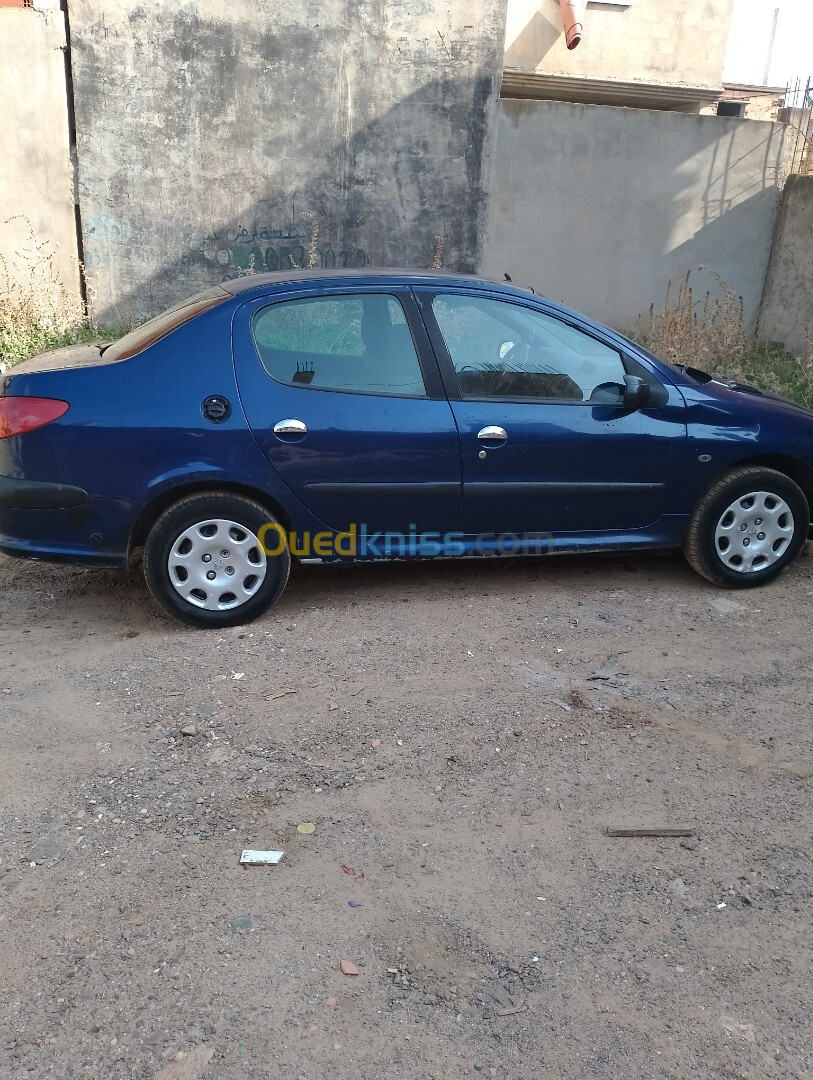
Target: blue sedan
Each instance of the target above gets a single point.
(386, 414)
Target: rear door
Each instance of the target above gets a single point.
(342, 392)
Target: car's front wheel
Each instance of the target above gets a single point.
(205, 561)
(747, 528)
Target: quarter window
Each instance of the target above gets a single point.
(503, 350)
(359, 343)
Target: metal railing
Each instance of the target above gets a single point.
(798, 115)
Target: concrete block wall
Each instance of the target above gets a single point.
(600, 207)
(787, 310)
(212, 136)
(37, 219)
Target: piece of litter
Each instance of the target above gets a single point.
(534, 959)
(652, 830)
(306, 828)
(512, 1010)
(742, 1031)
(279, 694)
(357, 874)
(400, 742)
(348, 968)
(720, 906)
(354, 903)
(332, 706)
(375, 743)
(237, 674)
(260, 858)
(392, 971)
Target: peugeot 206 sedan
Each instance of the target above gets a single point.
(382, 414)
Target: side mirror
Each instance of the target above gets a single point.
(637, 394)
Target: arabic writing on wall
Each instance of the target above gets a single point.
(233, 250)
(262, 248)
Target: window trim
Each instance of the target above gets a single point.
(136, 341)
(449, 372)
(402, 294)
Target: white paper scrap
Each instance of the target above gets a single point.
(261, 858)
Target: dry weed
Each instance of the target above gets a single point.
(709, 332)
(38, 311)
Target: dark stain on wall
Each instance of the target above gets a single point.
(210, 144)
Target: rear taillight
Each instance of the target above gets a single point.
(21, 414)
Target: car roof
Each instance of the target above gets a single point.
(368, 275)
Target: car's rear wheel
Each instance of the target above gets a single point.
(748, 527)
(205, 562)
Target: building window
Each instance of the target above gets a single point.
(731, 108)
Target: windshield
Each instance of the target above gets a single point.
(147, 334)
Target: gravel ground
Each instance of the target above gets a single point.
(461, 735)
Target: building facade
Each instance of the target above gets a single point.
(641, 53)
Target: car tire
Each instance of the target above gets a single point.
(216, 536)
(748, 527)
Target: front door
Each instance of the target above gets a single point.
(547, 444)
(342, 392)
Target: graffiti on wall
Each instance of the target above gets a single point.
(99, 233)
(231, 251)
(259, 248)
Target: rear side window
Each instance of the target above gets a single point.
(358, 343)
(140, 339)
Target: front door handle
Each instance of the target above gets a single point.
(290, 427)
(492, 433)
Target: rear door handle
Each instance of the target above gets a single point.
(290, 427)
(492, 433)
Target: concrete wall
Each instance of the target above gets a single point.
(650, 41)
(787, 310)
(599, 207)
(208, 132)
(35, 165)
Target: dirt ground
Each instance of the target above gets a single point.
(461, 735)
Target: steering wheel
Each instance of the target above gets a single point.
(517, 354)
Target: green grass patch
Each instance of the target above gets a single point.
(18, 343)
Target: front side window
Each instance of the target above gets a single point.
(360, 343)
(502, 350)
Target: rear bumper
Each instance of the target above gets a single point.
(36, 495)
(61, 523)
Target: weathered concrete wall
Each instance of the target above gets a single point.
(600, 207)
(36, 175)
(787, 310)
(208, 132)
(649, 41)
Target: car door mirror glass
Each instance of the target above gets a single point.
(637, 393)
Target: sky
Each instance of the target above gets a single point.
(749, 38)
